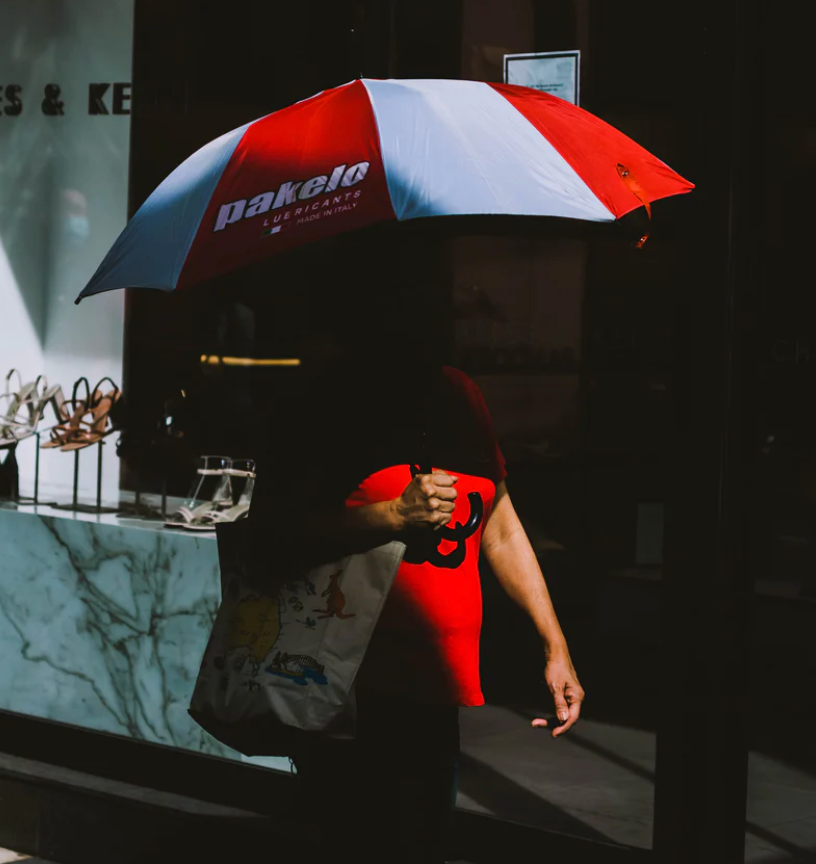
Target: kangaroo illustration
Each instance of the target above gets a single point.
(335, 600)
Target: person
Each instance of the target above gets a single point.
(344, 476)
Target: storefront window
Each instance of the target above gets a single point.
(781, 806)
(565, 327)
(65, 96)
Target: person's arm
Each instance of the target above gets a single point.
(357, 528)
(512, 559)
(427, 503)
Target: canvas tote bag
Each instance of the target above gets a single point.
(280, 663)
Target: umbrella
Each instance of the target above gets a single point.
(374, 151)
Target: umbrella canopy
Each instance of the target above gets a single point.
(375, 151)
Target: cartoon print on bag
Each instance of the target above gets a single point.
(255, 629)
(335, 600)
(296, 604)
(300, 668)
(426, 549)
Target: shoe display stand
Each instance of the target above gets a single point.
(9, 474)
(148, 511)
(142, 509)
(26, 500)
(88, 508)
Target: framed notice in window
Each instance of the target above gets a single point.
(556, 72)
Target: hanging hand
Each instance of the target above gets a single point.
(560, 677)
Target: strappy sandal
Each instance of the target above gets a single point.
(207, 521)
(16, 427)
(99, 426)
(37, 402)
(10, 399)
(13, 400)
(71, 412)
(199, 501)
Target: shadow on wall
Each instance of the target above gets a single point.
(27, 56)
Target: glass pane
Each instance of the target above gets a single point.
(781, 806)
(566, 331)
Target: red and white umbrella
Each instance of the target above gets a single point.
(375, 151)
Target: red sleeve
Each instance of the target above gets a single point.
(485, 434)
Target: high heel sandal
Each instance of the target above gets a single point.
(214, 472)
(208, 520)
(98, 407)
(14, 427)
(71, 412)
(14, 401)
(13, 398)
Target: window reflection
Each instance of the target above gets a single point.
(781, 818)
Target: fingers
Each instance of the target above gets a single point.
(567, 697)
(559, 728)
(438, 486)
(571, 695)
(431, 500)
(557, 689)
(572, 719)
(442, 479)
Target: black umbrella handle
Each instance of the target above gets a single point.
(424, 466)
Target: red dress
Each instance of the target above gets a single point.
(426, 644)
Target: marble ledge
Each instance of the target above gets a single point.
(103, 622)
(110, 519)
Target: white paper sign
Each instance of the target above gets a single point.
(556, 72)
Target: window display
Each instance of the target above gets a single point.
(63, 199)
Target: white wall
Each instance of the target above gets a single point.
(59, 174)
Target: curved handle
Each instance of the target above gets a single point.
(459, 532)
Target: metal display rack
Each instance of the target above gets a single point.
(27, 500)
(75, 504)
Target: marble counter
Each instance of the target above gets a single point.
(103, 622)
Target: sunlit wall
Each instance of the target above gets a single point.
(63, 200)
